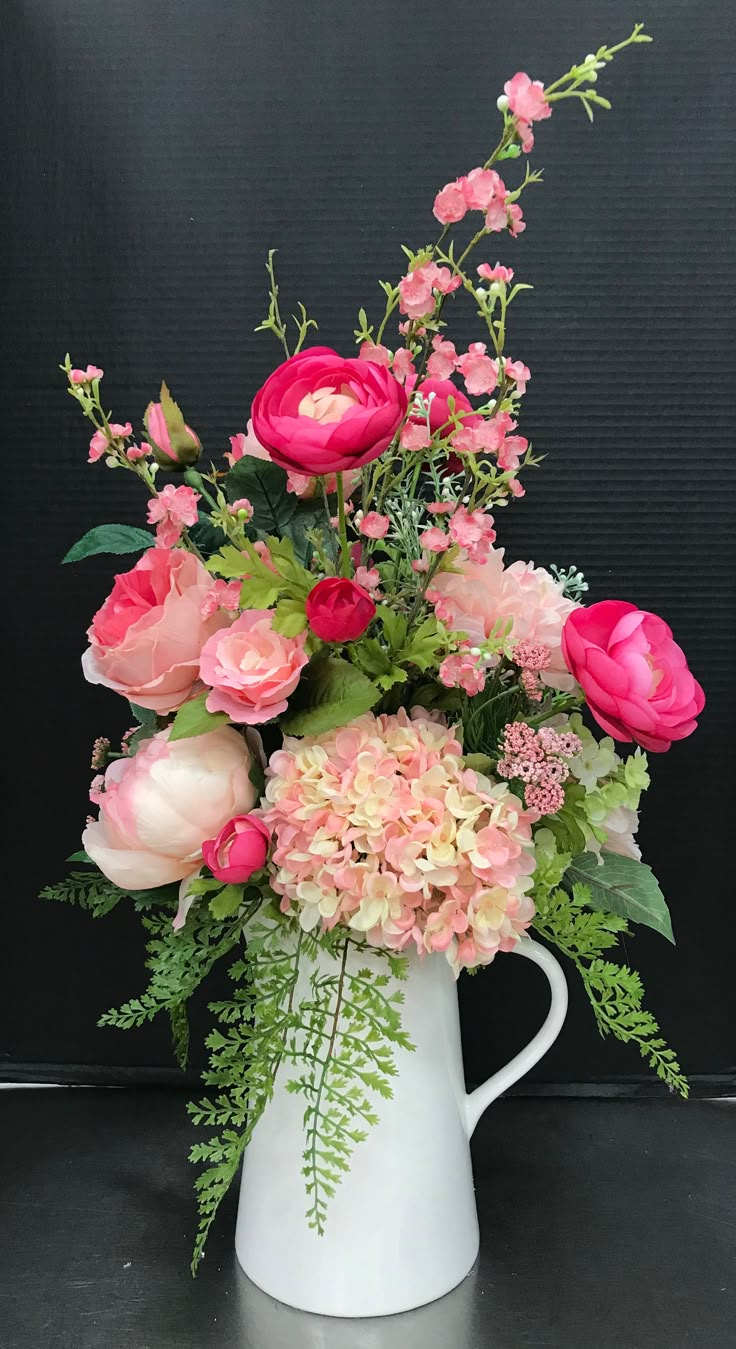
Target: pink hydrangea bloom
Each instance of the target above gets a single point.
(415, 436)
(482, 595)
(251, 669)
(376, 352)
(497, 273)
(380, 826)
(478, 370)
(473, 531)
(435, 540)
(480, 187)
(170, 511)
(443, 360)
(86, 376)
(403, 365)
(462, 671)
(450, 204)
(374, 526)
(526, 98)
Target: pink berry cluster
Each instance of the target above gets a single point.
(538, 759)
(532, 658)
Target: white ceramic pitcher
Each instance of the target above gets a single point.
(402, 1229)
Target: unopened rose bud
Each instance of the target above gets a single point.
(175, 445)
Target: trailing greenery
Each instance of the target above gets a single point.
(351, 1026)
(245, 1056)
(615, 991)
(178, 962)
(89, 890)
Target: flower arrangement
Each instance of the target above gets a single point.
(356, 722)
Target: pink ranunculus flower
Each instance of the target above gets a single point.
(526, 98)
(171, 511)
(251, 669)
(158, 807)
(240, 849)
(247, 445)
(146, 639)
(523, 596)
(320, 413)
(634, 676)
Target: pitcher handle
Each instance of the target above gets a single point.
(482, 1097)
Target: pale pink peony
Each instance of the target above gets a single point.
(251, 669)
(528, 597)
(171, 511)
(158, 807)
(146, 640)
(380, 826)
(526, 98)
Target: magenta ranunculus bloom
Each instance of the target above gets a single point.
(240, 849)
(633, 674)
(146, 640)
(320, 413)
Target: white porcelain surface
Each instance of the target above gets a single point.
(402, 1229)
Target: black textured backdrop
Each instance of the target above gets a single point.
(155, 150)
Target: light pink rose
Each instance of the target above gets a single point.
(251, 669)
(160, 806)
(146, 640)
(522, 595)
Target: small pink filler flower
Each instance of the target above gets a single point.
(170, 511)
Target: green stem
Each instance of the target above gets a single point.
(342, 524)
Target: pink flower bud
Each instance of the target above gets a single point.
(240, 849)
(175, 445)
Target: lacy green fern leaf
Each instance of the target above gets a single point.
(244, 1059)
(351, 1025)
(615, 991)
(89, 890)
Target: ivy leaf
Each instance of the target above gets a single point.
(622, 885)
(227, 901)
(194, 719)
(109, 539)
(331, 693)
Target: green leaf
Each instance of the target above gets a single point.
(258, 593)
(331, 693)
(424, 643)
(376, 662)
(289, 618)
(227, 901)
(264, 484)
(145, 716)
(194, 719)
(229, 562)
(109, 539)
(624, 886)
(80, 856)
(394, 626)
(481, 763)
